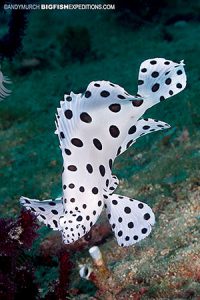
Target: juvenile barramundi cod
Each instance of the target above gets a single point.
(93, 129)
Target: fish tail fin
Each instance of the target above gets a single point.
(160, 79)
(131, 220)
(48, 211)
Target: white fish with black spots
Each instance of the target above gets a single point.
(93, 129)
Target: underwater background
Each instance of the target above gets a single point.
(47, 53)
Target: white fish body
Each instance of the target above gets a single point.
(93, 130)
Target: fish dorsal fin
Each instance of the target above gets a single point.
(67, 118)
(131, 220)
(99, 93)
(47, 211)
(141, 128)
(160, 79)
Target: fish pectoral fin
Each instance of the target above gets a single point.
(131, 220)
(46, 211)
(141, 128)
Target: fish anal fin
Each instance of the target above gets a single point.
(141, 128)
